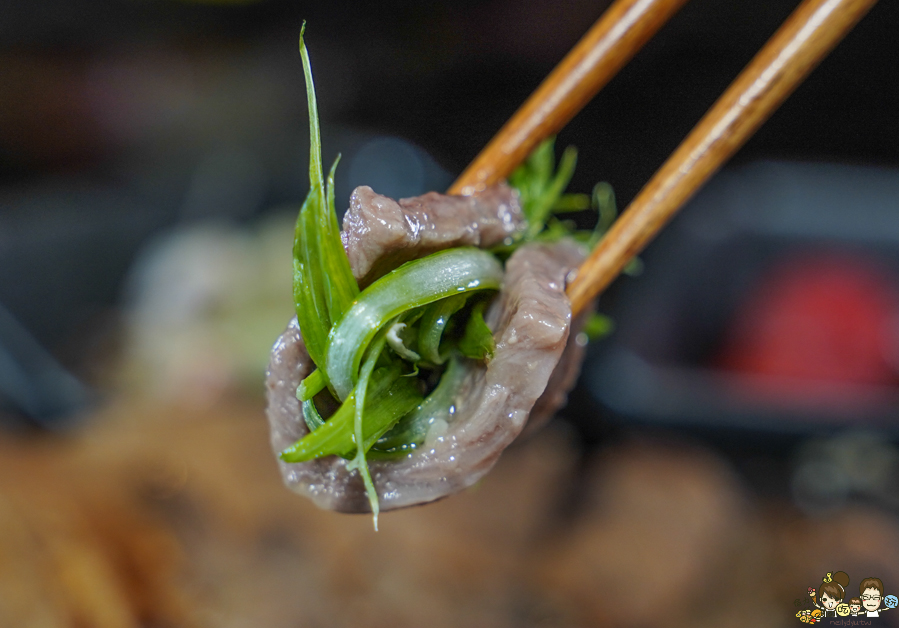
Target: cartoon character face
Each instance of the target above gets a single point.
(854, 608)
(831, 603)
(871, 599)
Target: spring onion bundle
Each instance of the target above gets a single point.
(390, 357)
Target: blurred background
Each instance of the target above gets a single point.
(732, 441)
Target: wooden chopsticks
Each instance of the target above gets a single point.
(806, 37)
(609, 44)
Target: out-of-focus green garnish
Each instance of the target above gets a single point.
(598, 326)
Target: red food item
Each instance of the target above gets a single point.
(826, 318)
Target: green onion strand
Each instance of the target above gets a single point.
(434, 323)
(324, 286)
(311, 416)
(313, 384)
(411, 430)
(413, 284)
(477, 342)
(389, 398)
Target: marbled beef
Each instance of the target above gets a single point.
(380, 233)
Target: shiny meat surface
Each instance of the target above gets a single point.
(380, 233)
(531, 320)
(564, 376)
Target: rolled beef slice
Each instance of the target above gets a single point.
(380, 233)
(531, 323)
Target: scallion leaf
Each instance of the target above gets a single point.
(389, 398)
(412, 428)
(477, 342)
(434, 322)
(313, 384)
(359, 462)
(324, 286)
(311, 416)
(413, 284)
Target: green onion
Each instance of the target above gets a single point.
(598, 326)
(433, 323)
(477, 342)
(413, 284)
(412, 428)
(314, 383)
(389, 398)
(311, 416)
(398, 344)
(359, 462)
(324, 286)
